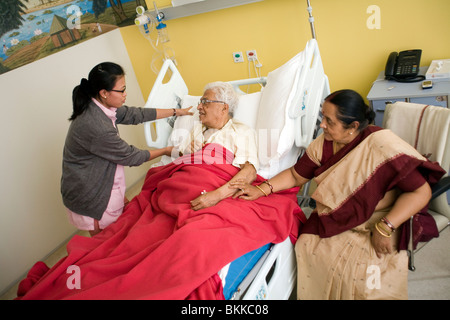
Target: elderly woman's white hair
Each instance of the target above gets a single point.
(224, 92)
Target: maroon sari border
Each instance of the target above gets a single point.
(358, 207)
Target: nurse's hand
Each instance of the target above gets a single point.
(155, 153)
(168, 150)
(184, 112)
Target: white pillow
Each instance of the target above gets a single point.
(247, 109)
(274, 127)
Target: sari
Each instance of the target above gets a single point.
(335, 256)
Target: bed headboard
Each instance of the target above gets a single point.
(284, 113)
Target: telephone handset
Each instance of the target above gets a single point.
(404, 66)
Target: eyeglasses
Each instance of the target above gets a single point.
(206, 101)
(121, 91)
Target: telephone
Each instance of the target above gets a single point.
(404, 66)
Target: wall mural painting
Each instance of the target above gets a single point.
(33, 29)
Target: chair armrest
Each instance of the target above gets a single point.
(439, 188)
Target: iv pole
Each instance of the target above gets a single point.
(311, 19)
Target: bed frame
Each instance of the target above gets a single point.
(274, 276)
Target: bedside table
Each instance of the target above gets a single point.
(389, 91)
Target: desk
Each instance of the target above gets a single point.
(388, 91)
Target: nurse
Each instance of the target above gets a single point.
(94, 156)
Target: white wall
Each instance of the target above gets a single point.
(35, 106)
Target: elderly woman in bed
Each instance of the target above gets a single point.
(217, 126)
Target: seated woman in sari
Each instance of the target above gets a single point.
(369, 182)
(183, 228)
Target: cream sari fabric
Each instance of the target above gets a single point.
(346, 267)
(338, 262)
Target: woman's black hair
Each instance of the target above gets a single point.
(351, 107)
(102, 76)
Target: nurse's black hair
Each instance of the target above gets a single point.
(351, 107)
(102, 76)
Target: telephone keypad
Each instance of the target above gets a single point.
(406, 69)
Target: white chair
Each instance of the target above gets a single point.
(427, 128)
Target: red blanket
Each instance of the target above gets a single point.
(160, 248)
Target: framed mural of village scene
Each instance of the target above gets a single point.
(33, 29)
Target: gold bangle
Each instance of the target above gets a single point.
(386, 231)
(384, 235)
(270, 185)
(261, 190)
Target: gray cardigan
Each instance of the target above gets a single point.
(92, 149)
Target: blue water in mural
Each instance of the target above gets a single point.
(37, 22)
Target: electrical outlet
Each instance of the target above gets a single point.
(238, 57)
(251, 55)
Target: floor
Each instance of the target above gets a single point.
(430, 281)
(61, 252)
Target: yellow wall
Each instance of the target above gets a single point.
(353, 55)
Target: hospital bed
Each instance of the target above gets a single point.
(285, 114)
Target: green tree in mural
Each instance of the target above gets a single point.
(10, 15)
(99, 6)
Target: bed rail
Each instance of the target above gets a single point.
(164, 94)
(243, 82)
(315, 88)
(275, 278)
